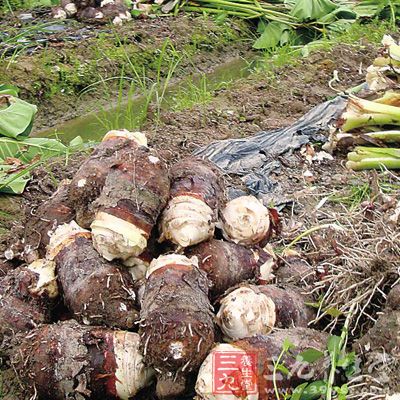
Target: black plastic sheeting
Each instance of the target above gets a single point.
(257, 157)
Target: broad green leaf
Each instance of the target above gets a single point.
(309, 356)
(341, 13)
(29, 148)
(76, 143)
(334, 345)
(8, 89)
(306, 10)
(340, 26)
(370, 8)
(275, 34)
(262, 24)
(17, 116)
(12, 183)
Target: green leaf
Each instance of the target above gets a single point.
(262, 24)
(306, 10)
(76, 143)
(16, 119)
(347, 359)
(370, 8)
(29, 148)
(341, 13)
(8, 89)
(333, 312)
(275, 34)
(287, 345)
(314, 390)
(309, 356)
(283, 369)
(12, 183)
(340, 26)
(334, 345)
(296, 395)
(342, 391)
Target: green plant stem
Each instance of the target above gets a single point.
(383, 136)
(374, 163)
(306, 233)
(276, 363)
(342, 345)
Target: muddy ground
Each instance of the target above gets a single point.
(263, 101)
(58, 61)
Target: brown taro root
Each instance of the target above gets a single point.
(26, 295)
(228, 264)
(70, 361)
(192, 210)
(295, 270)
(95, 290)
(89, 180)
(384, 335)
(254, 310)
(393, 298)
(41, 224)
(259, 354)
(133, 196)
(176, 327)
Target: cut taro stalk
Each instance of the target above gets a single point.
(254, 310)
(89, 180)
(192, 210)
(68, 360)
(134, 194)
(228, 264)
(177, 328)
(96, 291)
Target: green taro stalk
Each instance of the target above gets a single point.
(373, 158)
(361, 112)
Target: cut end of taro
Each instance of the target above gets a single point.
(187, 221)
(59, 13)
(245, 220)
(70, 9)
(395, 396)
(131, 374)
(205, 380)
(266, 271)
(171, 259)
(46, 283)
(138, 137)
(63, 236)
(246, 312)
(115, 238)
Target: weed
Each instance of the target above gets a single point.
(356, 194)
(338, 360)
(291, 54)
(14, 5)
(192, 93)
